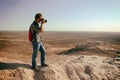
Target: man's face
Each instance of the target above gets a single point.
(39, 19)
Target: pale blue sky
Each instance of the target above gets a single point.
(62, 15)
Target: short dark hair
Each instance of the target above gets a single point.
(38, 15)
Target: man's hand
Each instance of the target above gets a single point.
(41, 28)
(42, 22)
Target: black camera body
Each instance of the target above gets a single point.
(45, 21)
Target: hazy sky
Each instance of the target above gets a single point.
(62, 15)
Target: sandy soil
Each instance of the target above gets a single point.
(70, 55)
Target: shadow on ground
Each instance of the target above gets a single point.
(4, 66)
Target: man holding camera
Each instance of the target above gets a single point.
(36, 40)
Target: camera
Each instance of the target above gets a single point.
(45, 21)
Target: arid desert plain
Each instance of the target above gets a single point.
(70, 55)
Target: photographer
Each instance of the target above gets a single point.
(36, 40)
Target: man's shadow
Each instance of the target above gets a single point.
(4, 66)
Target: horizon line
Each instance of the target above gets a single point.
(56, 31)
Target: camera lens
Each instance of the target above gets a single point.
(45, 20)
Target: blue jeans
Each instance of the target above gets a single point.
(38, 47)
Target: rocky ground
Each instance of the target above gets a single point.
(82, 67)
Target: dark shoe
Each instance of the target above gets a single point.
(36, 69)
(44, 65)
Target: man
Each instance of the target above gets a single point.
(36, 40)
